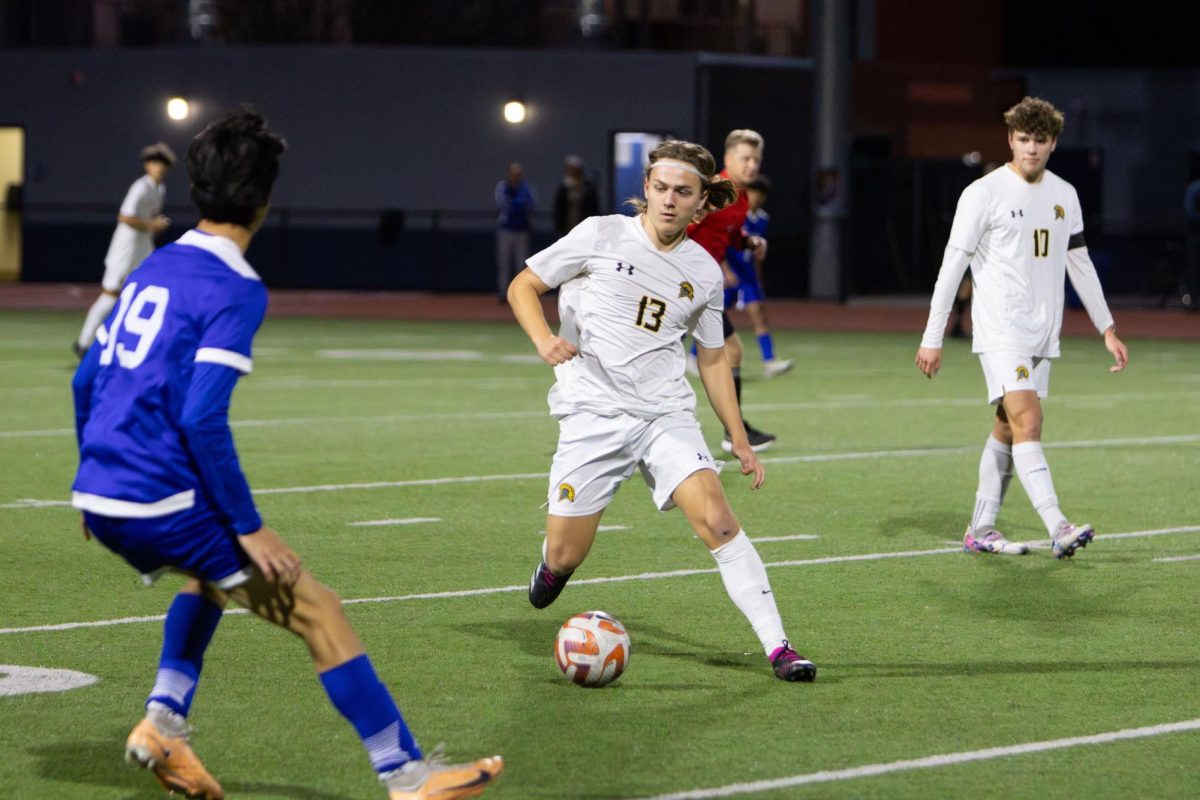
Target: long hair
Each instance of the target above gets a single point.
(721, 192)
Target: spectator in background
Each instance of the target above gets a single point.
(139, 219)
(1191, 214)
(576, 198)
(515, 200)
(746, 265)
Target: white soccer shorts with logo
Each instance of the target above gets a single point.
(1007, 371)
(596, 454)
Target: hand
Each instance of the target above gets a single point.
(159, 224)
(929, 360)
(750, 463)
(556, 350)
(731, 278)
(1120, 352)
(271, 554)
(758, 246)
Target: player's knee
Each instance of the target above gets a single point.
(721, 522)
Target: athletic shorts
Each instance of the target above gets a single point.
(1006, 371)
(195, 541)
(114, 277)
(597, 454)
(747, 291)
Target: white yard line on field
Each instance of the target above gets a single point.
(809, 459)
(645, 576)
(379, 523)
(929, 762)
(1169, 559)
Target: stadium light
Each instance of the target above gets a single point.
(178, 109)
(514, 112)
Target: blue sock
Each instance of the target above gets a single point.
(356, 692)
(694, 347)
(189, 627)
(767, 346)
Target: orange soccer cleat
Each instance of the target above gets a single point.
(172, 761)
(430, 779)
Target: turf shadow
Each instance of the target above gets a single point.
(99, 763)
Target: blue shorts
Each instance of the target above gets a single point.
(195, 541)
(747, 291)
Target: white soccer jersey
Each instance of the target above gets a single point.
(627, 305)
(129, 246)
(1019, 233)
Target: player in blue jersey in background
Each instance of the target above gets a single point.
(746, 265)
(160, 485)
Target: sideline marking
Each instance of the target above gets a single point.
(810, 459)
(928, 762)
(1167, 559)
(645, 576)
(374, 523)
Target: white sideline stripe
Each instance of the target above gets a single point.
(645, 576)
(812, 459)
(795, 537)
(928, 762)
(487, 415)
(1166, 559)
(381, 522)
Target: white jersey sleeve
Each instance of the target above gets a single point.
(970, 218)
(566, 258)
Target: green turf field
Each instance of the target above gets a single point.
(929, 653)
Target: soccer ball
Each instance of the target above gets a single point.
(592, 648)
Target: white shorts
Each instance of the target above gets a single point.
(597, 454)
(1006, 371)
(114, 277)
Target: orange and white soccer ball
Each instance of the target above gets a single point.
(592, 648)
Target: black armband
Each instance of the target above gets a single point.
(1076, 241)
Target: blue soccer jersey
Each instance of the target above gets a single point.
(152, 394)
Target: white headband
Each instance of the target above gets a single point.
(680, 165)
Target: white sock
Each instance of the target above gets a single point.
(995, 473)
(746, 582)
(95, 318)
(1034, 472)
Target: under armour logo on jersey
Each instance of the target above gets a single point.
(1020, 212)
(623, 266)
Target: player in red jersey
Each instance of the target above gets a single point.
(718, 231)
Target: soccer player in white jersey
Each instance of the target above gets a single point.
(160, 485)
(138, 221)
(1020, 229)
(629, 289)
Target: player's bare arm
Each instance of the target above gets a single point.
(718, 385)
(524, 296)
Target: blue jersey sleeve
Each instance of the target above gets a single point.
(81, 388)
(229, 330)
(223, 352)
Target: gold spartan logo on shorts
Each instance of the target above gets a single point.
(566, 492)
(1059, 213)
(686, 290)
(1022, 374)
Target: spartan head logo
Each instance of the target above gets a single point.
(1059, 213)
(566, 492)
(685, 290)
(1022, 374)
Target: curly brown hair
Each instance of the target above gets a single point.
(1036, 117)
(721, 192)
